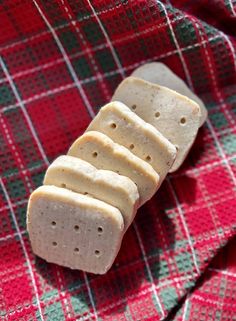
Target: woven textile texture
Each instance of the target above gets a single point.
(60, 61)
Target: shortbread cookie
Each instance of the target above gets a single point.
(158, 73)
(74, 230)
(126, 128)
(100, 151)
(175, 116)
(80, 176)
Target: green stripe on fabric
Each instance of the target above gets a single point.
(6, 95)
(93, 32)
(49, 295)
(79, 304)
(218, 120)
(229, 143)
(169, 297)
(69, 40)
(54, 312)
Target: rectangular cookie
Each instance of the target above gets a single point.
(100, 151)
(175, 116)
(126, 128)
(159, 74)
(82, 177)
(74, 230)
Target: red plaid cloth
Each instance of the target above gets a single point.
(60, 62)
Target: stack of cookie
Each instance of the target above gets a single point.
(91, 195)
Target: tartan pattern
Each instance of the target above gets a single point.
(213, 297)
(60, 62)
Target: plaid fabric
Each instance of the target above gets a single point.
(213, 297)
(60, 62)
